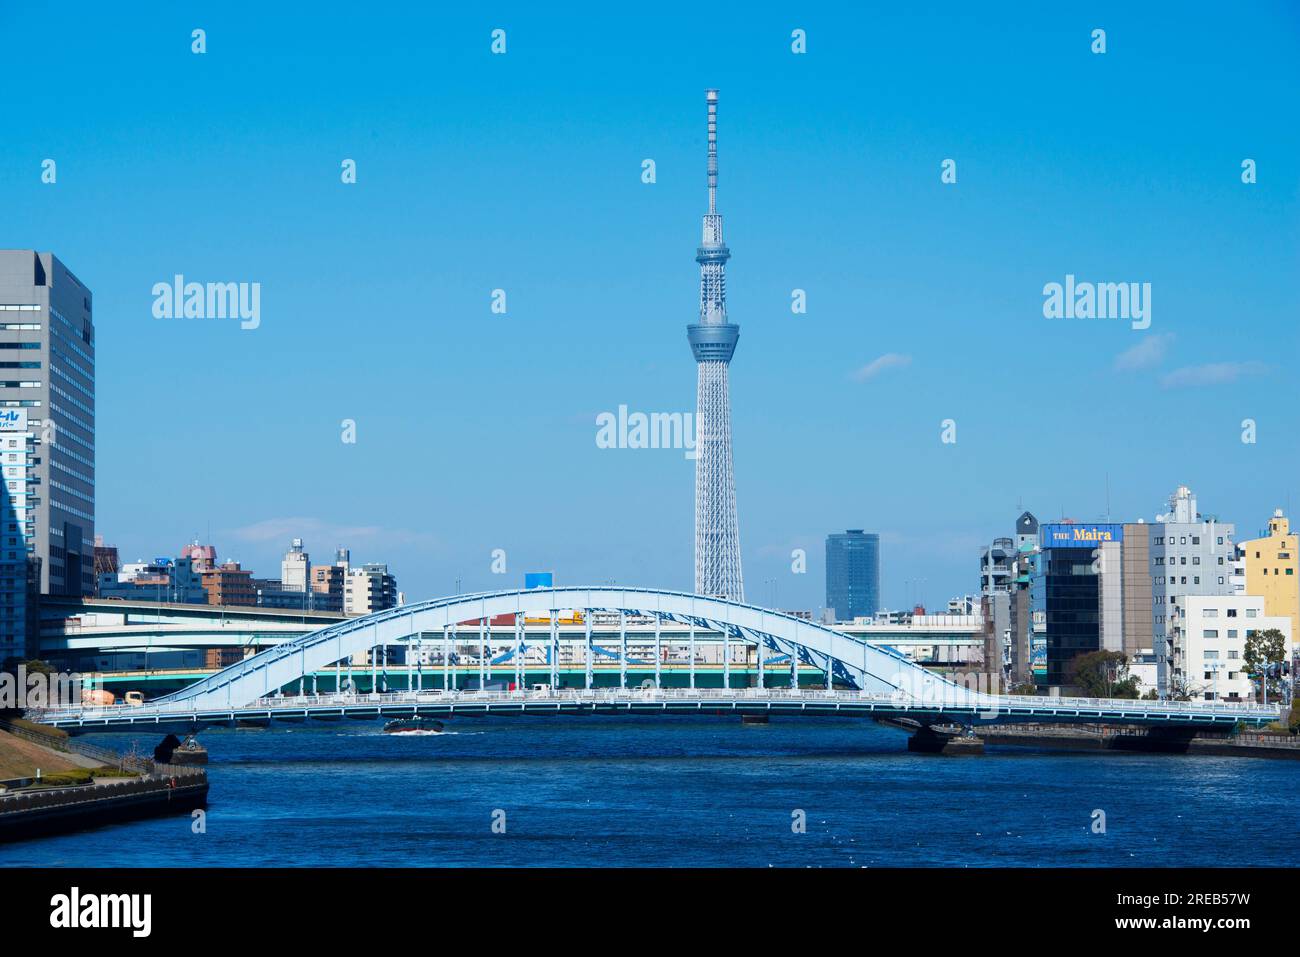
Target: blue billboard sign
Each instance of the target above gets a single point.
(1078, 536)
(539, 580)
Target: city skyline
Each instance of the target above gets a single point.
(923, 297)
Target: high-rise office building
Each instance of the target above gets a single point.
(713, 342)
(852, 574)
(47, 369)
(1066, 594)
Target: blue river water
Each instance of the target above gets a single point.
(690, 792)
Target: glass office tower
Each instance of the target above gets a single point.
(852, 574)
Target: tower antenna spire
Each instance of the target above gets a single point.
(711, 98)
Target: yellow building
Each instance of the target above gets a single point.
(1273, 570)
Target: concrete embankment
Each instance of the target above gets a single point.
(950, 739)
(34, 813)
(1153, 740)
(64, 786)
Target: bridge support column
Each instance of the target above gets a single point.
(446, 659)
(555, 649)
(622, 649)
(519, 651)
(692, 653)
(586, 618)
(726, 656)
(659, 650)
(928, 741)
(482, 653)
(794, 668)
(758, 651)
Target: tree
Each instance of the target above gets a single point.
(1263, 650)
(1103, 674)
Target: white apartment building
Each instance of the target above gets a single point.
(1207, 639)
(369, 588)
(295, 568)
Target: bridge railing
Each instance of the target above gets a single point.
(946, 699)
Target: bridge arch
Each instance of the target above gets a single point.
(852, 661)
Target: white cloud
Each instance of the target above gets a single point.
(890, 360)
(1149, 352)
(1214, 373)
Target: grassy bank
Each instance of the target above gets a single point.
(20, 758)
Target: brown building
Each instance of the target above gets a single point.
(228, 584)
(217, 658)
(1137, 601)
(105, 560)
(329, 580)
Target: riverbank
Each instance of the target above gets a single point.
(50, 784)
(1161, 741)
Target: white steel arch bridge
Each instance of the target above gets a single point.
(862, 678)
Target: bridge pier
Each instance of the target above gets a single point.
(926, 740)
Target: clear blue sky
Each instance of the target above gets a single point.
(522, 172)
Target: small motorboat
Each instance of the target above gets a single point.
(413, 726)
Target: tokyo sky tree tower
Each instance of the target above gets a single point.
(713, 340)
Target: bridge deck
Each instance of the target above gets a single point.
(971, 709)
